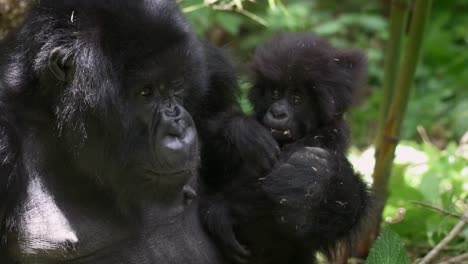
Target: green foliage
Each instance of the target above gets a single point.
(441, 81)
(11, 13)
(426, 174)
(388, 249)
(440, 181)
(439, 102)
(244, 100)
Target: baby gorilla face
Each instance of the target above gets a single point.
(290, 113)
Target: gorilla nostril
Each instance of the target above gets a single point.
(172, 111)
(279, 114)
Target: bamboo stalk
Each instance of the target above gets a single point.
(390, 135)
(398, 20)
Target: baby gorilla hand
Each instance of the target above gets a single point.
(298, 188)
(319, 160)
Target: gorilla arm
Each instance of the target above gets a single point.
(231, 138)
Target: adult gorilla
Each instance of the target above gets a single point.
(98, 147)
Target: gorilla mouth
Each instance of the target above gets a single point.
(281, 134)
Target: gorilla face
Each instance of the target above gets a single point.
(121, 96)
(168, 141)
(291, 112)
(302, 83)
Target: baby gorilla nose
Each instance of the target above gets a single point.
(279, 112)
(278, 116)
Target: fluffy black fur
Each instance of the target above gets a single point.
(322, 78)
(312, 199)
(98, 147)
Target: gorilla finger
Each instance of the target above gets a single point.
(239, 259)
(310, 155)
(319, 152)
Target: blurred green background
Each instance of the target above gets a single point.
(431, 161)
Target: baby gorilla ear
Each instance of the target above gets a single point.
(61, 66)
(352, 72)
(354, 63)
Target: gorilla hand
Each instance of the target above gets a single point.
(255, 144)
(315, 193)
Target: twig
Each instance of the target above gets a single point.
(451, 235)
(254, 17)
(422, 132)
(440, 210)
(457, 259)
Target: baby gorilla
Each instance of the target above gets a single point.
(302, 88)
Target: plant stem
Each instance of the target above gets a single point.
(451, 235)
(435, 208)
(457, 259)
(386, 144)
(398, 21)
(388, 139)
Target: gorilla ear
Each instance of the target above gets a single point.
(61, 66)
(351, 73)
(353, 62)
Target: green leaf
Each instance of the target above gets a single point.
(329, 28)
(231, 22)
(388, 249)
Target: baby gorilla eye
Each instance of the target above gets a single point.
(296, 99)
(275, 93)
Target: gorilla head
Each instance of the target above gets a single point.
(110, 92)
(302, 83)
(98, 145)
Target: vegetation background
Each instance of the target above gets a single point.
(431, 164)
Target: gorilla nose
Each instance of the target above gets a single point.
(176, 139)
(278, 116)
(172, 110)
(279, 113)
(177, 130)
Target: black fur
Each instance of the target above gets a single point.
(98, 105)
(326, 77)
(312, 199)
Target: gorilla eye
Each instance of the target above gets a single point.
(146, 91)
(296, 99)
(275, 93)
